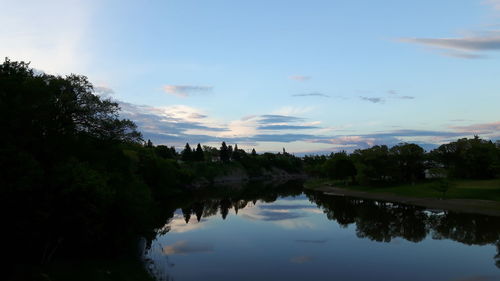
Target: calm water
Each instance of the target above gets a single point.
(319, 237)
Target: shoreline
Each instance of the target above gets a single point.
(473, 206)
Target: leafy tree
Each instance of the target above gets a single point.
(468, 158)
(373, 164)
(211, 153)
(165, 152)
(409, 162)
(340, 166)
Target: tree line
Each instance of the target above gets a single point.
(466, 158)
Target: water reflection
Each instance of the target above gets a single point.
(254, 232)
(383, 221)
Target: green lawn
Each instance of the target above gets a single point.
(460, 189)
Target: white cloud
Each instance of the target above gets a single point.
(186, 90)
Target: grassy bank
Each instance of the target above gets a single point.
(458, 189)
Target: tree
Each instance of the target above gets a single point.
(187, 153)
(468, 158)
(373, 164)
(198, 154)
(224, 153)
(165, 152)
(236, 153)
(340, 166)
(409, 162)
(254, 153)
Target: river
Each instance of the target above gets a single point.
(308, 235)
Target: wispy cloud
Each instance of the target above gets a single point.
(286, 127)
(301, 78)
(373, 99)
(467, 47)
(186, 90)
(313, 94)
(405, 97)
(481, 128)
(275, 118)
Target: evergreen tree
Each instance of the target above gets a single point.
(198, 154)
(254, 153)
(224, 153)
(230, 152)
(236, 153)
(187, 153)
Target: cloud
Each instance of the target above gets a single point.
(178, 224)
(274, 118)
(373, 99)
(476, 43)
(313, 94)
(104, 91)
(279, 216)
(406, 97)
(481, 128)
(185, 247)
(467, 47)
(186, 90)
(174, 125)
(286, 127)
(301, 78)
(464, 55)
(392, 92)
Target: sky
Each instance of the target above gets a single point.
(309, 76)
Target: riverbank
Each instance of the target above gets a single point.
(478, 197)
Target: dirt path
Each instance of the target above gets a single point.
(484, 207)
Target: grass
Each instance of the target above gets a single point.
(124, 269)
(459, 189)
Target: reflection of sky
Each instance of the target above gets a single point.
(293, 240)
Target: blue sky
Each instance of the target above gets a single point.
(310, 76)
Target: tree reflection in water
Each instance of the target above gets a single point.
(375, 220)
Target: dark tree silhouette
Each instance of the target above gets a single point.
(225, 154)
(198, 154)
(187, 153)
